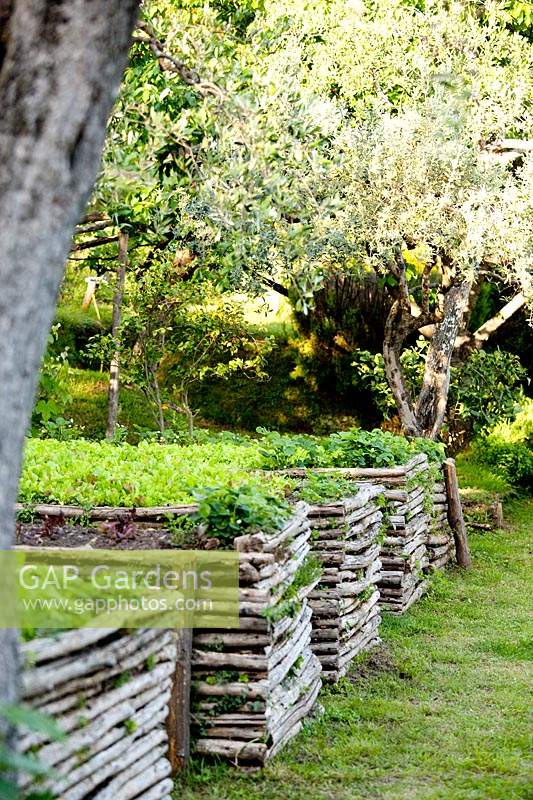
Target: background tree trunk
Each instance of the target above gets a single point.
(189, 413)
(398, 326)
(432, 401)
(114, 368)
(60, 69)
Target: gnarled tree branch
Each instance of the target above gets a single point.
(399, 325)
(482, 334)
(169, 63)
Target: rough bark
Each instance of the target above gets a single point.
(398, 326)
(426, 416)
(114, 368)
(60, 68)
(431, 404)
(179, 712)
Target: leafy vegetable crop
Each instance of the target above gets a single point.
(99, 473)
(229, 512)
(353, 448)
(151, 474)
(325, 488)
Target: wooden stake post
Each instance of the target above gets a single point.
(455, 515)
(178, 720)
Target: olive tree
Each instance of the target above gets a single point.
(428, 212)
(392, 153)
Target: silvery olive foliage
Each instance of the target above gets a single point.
(381, 134)
(321, 132)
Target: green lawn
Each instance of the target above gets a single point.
(439, 712)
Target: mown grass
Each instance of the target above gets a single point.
(440, 711)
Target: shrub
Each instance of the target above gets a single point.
(284, 401)
(484, 389)
(509, 447)
(77, 330)
(53, 395)
(177, 335)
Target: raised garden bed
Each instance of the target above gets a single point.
(109, 691)
(403, 467)
(404, 556)
(403, 552)
(253, 687)
(346, 616)
(103, 527)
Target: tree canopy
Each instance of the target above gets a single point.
(282, 145)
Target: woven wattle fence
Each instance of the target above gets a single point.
(404, 556)
(109, 691)
(345, 606)
(440, 545)
(253, 687)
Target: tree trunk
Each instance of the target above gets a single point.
(189, 413)
(114, 369)
(398, 326)
(431, 404)
(158, 402)
(60, 68)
